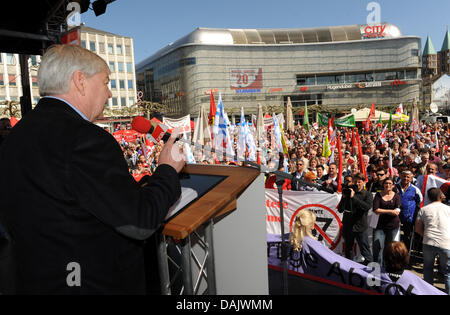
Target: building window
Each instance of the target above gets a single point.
(110, 49)
(119, 50)
(306, 80)
(121, 84)
(10, 59)
(411, 74)
(120, 66)
(131, 101)
(33, 59)
(130, 84)
(92, 46)
(113, 84)
(123, 101)
(0, 58)
(112, 67)
(129, 67)
(101, 48)
(83, 43)
(1, 80)
(128, 50)
(114, 101)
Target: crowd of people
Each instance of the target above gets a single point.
(390, 182)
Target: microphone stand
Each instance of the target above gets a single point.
(280, 182)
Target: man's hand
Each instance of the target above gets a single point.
(172, 154)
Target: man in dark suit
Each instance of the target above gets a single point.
(76, 216)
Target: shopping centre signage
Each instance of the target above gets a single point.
(246, 79)
(374, 31)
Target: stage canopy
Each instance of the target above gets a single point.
(362, 114)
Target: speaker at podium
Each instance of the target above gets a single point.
(214, 238)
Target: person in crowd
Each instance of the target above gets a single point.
(310, 177)
(424, 160)
(433, 157)
(355, 203)
(433, 223)
(77, 218)
(377, 184)
(396, 259)
(432, 169)
(271, 182)
(298, 174)
(320, 174)
(411, 197)
(386, 204)
(330, 180)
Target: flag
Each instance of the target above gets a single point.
(316, 125)
(399, 110)
(382, 137)
(425, 182)
(277, 133)
(362, 166)
(437, 141)
(391, 171)
(330, 127)
(212, 109)
(380, 122)
(339, 179)
(348, 136)
(390, 120)
(354, 144)
(241, 144)
(326, 147)
(322, 119)
(345, 122)
(283, 141)
(222, 139)
(371, 115)
(306, 118)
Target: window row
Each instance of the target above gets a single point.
(356, 77)
(119, 50)
(121, 84)
(120, 66)
(123, 101)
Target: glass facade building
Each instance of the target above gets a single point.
(338, 67)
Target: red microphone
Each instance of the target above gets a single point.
(154, 131)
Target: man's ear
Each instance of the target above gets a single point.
(79, 81)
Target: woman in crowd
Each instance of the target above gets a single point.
(386, 204)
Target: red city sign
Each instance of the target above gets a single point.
(374, 31)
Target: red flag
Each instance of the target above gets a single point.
(353, 140)
(339, 179)
(362, 167)
(372, 111)
(330, 127)
(258, 159)
(13, 120)
(348, 136)
(212, 109)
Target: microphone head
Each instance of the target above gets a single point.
(141, 124)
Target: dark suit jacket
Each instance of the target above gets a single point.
(67, 197)
(355, 211)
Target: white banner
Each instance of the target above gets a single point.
(184, 123)
(324, 205)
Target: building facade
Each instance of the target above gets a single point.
(434, 66)
(334, 68)
(117, 51)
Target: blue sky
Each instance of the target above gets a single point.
(155, 24)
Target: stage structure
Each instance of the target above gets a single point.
(219, 234)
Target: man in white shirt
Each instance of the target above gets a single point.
(433, 223)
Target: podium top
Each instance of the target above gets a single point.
(236, 180)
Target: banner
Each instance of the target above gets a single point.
(322, 120)
(184, 123)
(315, 261)
(345, 122)
(324, 206)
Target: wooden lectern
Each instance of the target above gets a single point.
(220, 236)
